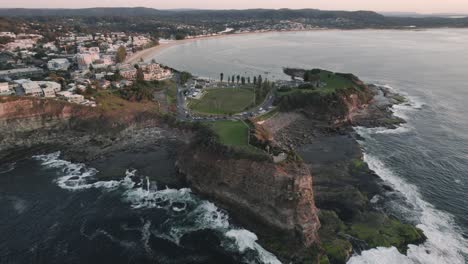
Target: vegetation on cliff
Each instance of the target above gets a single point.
(326, 92)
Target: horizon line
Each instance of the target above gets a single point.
(239, 9)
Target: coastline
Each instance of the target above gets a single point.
(149, 53)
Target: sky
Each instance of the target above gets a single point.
(420, 6)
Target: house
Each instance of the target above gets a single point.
(71, 97)
(127, 71)
(31, 88)
(48, 92)
(58, 65)
(5, 89)
(45, 89)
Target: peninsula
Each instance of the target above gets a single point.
(280, 156)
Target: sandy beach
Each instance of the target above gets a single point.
(148, 54)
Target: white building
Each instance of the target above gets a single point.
(58, 65)
(32, 89)
(8, 34)
(5, 89)
(48, 92)
(71, 97)
(45, 89)
(86, 59)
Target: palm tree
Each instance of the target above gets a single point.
(221, 76)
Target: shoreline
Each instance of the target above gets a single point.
(149, 53)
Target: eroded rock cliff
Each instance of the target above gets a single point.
(258, 193)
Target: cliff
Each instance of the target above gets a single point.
(258, 194)
(320, 129)
(29, 125)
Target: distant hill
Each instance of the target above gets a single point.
(355, 19)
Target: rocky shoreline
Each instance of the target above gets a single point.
(279, 202)
(344, 186)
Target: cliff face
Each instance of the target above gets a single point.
(278, 196)
(30, 125)
(26, 114)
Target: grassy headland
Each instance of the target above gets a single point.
(225, 101)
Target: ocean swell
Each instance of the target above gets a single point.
(187, 213)
(444, 243)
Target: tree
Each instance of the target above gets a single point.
(255, 80)
(140, 76)
(243, 80)
(248, 80)
(121, 54)
(238, 79)
(221, 77)
(185, 76)
(180, 36)
(259, 81)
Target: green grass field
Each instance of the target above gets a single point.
(231, 133)
(223, 101)
(333, 82)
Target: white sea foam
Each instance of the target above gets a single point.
(247, 240)
(444, 243)
(76, 176)
(192, 214)
(412, 103)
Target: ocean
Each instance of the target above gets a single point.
(425, 160)
(55, 211)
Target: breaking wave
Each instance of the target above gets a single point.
(187, 213)
(444, 243)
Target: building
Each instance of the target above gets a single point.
(8, 34)
(71, 97)
(45, 89)
(48, 92)
(85, 59)
(154, 72)
(21, 73)
(87, 56)
(58, 65)
(31, 89)
(128, 72)
(5, 89)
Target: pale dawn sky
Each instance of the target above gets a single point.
(421, 6)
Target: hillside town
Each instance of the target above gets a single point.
(31, 65)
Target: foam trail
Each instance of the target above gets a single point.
(444, 243)
(76, 175)
(5, 168)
